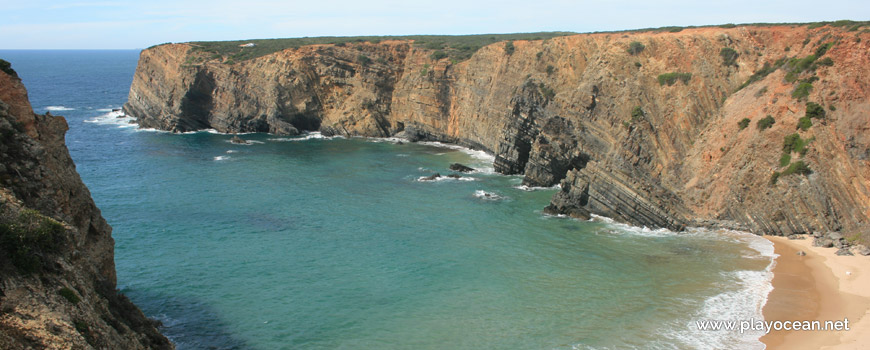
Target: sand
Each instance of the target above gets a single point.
(819, 286)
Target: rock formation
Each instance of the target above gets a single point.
(57, 269)
(651, 136)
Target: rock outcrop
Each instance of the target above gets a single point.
(652, 137)
(57, 270)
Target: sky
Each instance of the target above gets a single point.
(38, 24)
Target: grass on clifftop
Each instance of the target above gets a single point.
(458, 47)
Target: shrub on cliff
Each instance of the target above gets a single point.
(546, 91)
(635, 48)
(802, 90)
(814, 110)
(765, 123)
(729, 56)
(437, 55)
(671, 78)
(363, 60)
(550, 69)
(509, 48)
(636, 114)
(804, 123)
(29, 238)
(794, 143)
(743, 123)
(6, 67)
(798, 167)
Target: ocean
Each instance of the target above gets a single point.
(331, 243)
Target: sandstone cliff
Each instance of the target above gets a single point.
(623, 137)
(57, 270)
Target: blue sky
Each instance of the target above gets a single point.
(41, 24)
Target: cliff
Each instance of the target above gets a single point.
(644, 127)
(57, 270)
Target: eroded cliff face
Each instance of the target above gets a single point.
(562, 110)
(57, 271)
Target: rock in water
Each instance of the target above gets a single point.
(454, 176)
(461, 168)
(430, 177)
(239, 140)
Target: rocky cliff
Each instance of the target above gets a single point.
(57, 270)
(644, 127)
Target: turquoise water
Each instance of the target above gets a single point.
(316, 243)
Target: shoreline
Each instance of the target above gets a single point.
(819, 286)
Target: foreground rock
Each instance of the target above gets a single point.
(622, 138)
(57, 269)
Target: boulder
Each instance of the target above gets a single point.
(801, 253)
(843, 251)
(461, 168)
(862, 249)
(823, 242)
(835, 236)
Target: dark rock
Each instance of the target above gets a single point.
(239, 140)
(430, 177)
(823, 242)
(454, 176)
(461, 168)
(801, 253)
(794, 237)
(844, 251)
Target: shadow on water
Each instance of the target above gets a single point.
(188, 322)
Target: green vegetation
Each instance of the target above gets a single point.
(637, 64)
(822, 49)
(763, 72)
(550, 69)
(798, 167)
(29, 238)
(671, 78)
(794, 143)
(774, 177)
(425, 70)
(832, 108)
(509, 48)
(729, 56)
(635, 48)
(459, 47)
(743, 123)
(728, 25)
(636, 114)
(6, 67)
(802, 90)
(814, 110)
(785, 159)
(539, 54)
(827, 61)
(437, 55)
(546, 91)
(805, 123)
(363, 60)
(69, 295)
(765, 123)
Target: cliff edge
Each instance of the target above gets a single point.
(758, 128)
(57, 269)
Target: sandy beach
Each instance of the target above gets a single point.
(818, 286)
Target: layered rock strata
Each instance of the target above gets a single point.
(650, 137)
